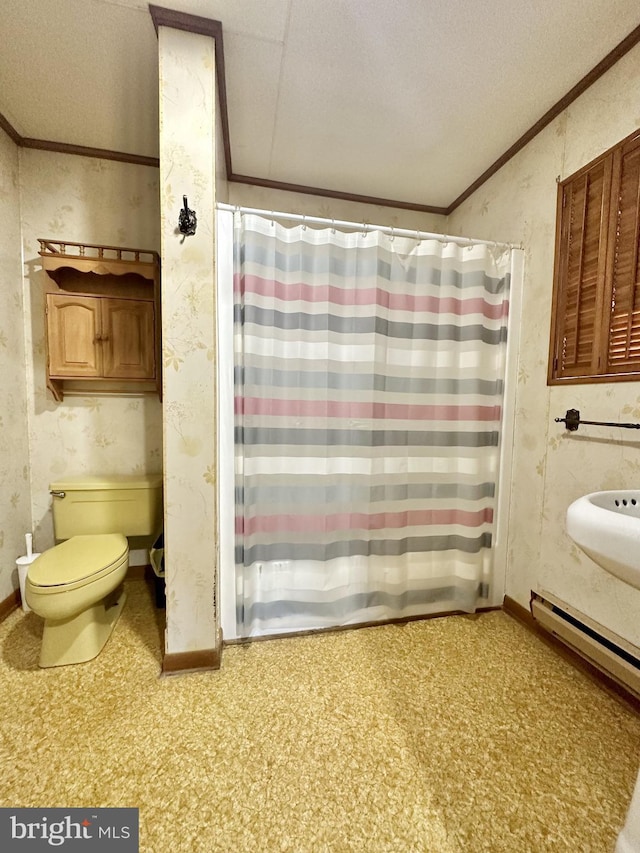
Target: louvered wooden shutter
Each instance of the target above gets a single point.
(580, 273)
(624, 325)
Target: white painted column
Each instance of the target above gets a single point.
(187, 167)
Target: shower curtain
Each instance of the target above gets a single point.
(368, 386)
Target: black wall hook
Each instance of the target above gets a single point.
(187, 221)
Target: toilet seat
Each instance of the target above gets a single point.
(77, 562)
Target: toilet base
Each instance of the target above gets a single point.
(82, 637)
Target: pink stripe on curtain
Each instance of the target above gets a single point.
(360, 521)
(341, 409)
(369, 296)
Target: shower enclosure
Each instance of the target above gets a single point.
(366, 384)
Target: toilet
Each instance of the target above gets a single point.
(77, 586)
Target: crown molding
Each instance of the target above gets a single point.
(344, 196)
(79, 150)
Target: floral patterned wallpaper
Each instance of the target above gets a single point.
(82, 199)
(188, 167)
(15, 507)
(551, 466)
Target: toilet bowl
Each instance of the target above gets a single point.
(77, 588)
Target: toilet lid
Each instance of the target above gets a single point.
(78, 558)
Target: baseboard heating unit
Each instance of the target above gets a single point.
(611, 654)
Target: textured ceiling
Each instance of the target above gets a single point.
(410, 100)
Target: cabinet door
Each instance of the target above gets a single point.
(128, 339)
(73, 332)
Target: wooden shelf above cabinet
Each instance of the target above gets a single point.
(100, 260)
(102, 318)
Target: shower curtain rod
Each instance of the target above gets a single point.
(363, 226)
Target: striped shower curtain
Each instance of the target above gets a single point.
(368, 394)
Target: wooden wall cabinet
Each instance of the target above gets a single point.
(102, 318)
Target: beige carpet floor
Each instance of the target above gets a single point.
(450, 735)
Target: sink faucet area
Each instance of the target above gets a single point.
(606, 526)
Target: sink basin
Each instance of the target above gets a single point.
(606, 526)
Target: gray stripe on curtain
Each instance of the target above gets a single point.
(306, 377)
(364, 438)
(348, 492)
(367, 326)
(462, 592)
(359, 547)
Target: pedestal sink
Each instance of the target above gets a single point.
(606, 526)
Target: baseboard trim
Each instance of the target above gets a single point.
(137, 573)
(11, 603)
(522, 614)
(525, 617)
(201, 660)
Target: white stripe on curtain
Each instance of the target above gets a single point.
(369, 377)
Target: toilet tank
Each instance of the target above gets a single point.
(126, 503)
